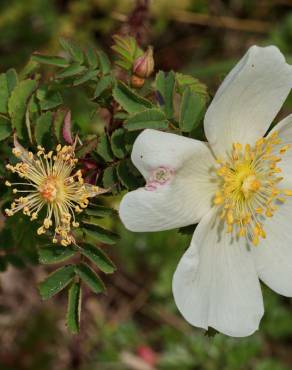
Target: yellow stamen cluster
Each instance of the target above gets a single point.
(248, 187)
(51, 184)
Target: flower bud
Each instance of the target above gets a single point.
(137, 82)
(144, 65)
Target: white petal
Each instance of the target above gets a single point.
(153, 149)
(215, 283)
(182, 201)
(284, 129)
(248, 99)
(273, 255)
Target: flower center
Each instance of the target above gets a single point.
(248, 187)
(50, 189)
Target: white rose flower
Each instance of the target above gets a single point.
(236, 186)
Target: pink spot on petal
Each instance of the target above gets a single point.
(159, 177)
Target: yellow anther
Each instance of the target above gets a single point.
(47, 223)
(242, 231)
(229, 228)
(7, 183)
(229, 218)
(284, 148)
(16, 152)
(269, 213)
(9, 212)
(41, 230)
(255, 240)
(275, 192)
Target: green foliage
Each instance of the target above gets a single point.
(17, 104)
(104, 148)
(165, 83)
(149, 118)
(8, 82)
(95, 233)
(191, 111)
(50, 60)
(5, 128)
(81, 98)
(90, 278)
(118, 143)
(43, 128)
(74, 307)
(99, 258)
(130, 101)
(104, 83)
(127, 51)
(55, 254)
(56, 281)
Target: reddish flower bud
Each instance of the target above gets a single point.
(144, 65)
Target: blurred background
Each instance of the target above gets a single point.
(136, 324)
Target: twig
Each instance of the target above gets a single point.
(247, 25)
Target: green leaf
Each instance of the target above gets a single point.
(58, 122)
(12, 79)
(73, 49)
(18, 102)
(73, 70)
(98, 257)
(150, 118)
(110, 179)
(127, 51)
(104, 148)
(118, 143)
(43, 128)
(56, 281)
(50, 60)
(29, 69)
(99, 211)
(8, 81)
(130, 139)
(103, 84)
(5, 128)
(165, 83)
(74, 308)
(4, 93)
(191, 111)
(126, 175)
(91, 57)
(54, 254)
(49, 99)
(129, 100)
(96, 233)
(184, 81)
(104, 63)
(90, 278)
(87, 76)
